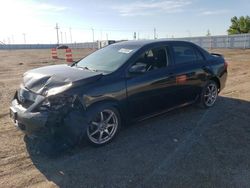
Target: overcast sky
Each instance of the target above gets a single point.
(36, 20)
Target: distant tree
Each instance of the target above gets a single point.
(208, 33)
(239, 25)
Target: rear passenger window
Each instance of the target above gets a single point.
(185, 54)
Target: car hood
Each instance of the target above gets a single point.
(42, 80)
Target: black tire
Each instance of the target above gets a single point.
(209, 94)
(104, 123)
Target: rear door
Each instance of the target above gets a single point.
(188, 70)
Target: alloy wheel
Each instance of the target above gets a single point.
(210, 95)
(103, 127)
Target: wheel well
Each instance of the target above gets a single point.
(217, 81)
(108, 102)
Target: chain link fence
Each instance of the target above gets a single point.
(46, 46)
(225, 41)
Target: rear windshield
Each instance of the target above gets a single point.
(108, 59)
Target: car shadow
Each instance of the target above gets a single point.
(188, 147)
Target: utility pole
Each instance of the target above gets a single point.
(93, 35)
(66, 41)
(9, 43)
(134, 36)
(61, 37)
(208, 33)
(189, 33)
(107, 36)
(155, 33)
(70, 35)
(12, 37)
(101, 35)
(24, 38)
(57, 28)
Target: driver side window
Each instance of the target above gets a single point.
(153, 59)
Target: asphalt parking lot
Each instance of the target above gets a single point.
(188, 147)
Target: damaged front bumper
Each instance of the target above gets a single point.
(63, 116)
(23, 113)
(27, 121)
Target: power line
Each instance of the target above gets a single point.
(127, 30)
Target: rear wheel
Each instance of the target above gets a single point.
(209, 94)
(104, 124)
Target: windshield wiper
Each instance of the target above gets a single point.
(86, 68)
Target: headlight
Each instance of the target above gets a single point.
(45, 105)
(56, 102)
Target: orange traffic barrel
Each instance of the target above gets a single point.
(69, 57)
(54, 53)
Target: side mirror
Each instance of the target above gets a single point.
(138, 68)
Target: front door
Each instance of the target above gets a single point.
(152, 90)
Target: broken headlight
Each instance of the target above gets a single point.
(59, 89)
(56, 102)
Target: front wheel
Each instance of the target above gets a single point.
(209, 94)
(104, 125)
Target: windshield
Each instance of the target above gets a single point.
(107, 59)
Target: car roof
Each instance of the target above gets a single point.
(141, 43)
